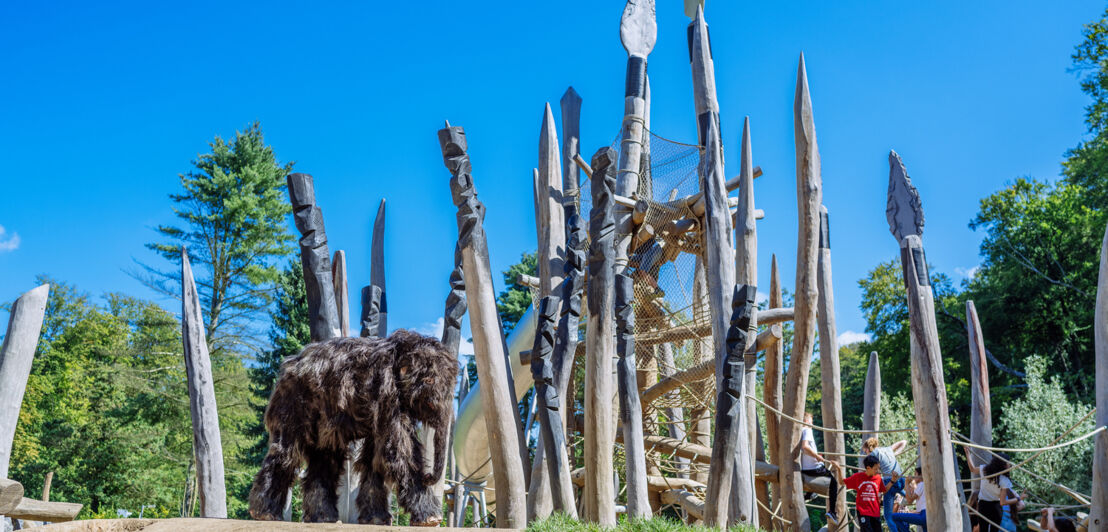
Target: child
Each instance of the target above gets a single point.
(811, 464)
(1048, 522)
(869, 486)
(993, 495)
(890, 472)
(901, 521)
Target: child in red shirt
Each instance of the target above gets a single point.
(869, 488)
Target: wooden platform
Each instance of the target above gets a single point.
(212, 525)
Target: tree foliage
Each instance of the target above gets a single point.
(233, 211)
(515, 299)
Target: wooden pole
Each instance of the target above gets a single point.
(719, 264)
(1099, 514)
(549, 408)
(832, 404)
(501, 420)
(206, 443)
(771, 385)
(16, 355)
(11, 492)
(374, 307)
(981, 412)
(323, 319)
(675, 414)
(905, 216)
(808, 198)
(630, 409)
(600, 347)
(571, 142)
(730, 422)
(746, 273)
(46, 486)
(700, 420)
(452, 339)
(342, 299)
(871, 398)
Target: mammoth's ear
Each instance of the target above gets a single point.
(403, 371)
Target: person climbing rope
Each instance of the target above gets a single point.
(811, 464)
(993, 494)
(890, 472)
(869, 487)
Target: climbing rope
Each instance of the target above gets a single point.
(1040, 451)
(826, 429)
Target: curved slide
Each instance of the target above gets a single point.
(471, 438)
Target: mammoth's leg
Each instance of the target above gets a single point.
(415, 488)
(373, 494)
(271, 486)
(320, 484)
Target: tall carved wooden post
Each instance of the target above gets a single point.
(570, 318)
(905, 216)
(746, 273)
(549, 408)
(323, 318)
(981, 413)
(16, 355)
(832, 405)
(348, 482)
(1098, 518)
(630, 407)
(871, 398)
(730, 424)
(700, 420)
(206, 443)
(771, 386)
(501, 421)
(809, 196)
(342, 299)
(452, 339)
(600, 346)
(719, 265)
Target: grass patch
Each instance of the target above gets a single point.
(559, 522)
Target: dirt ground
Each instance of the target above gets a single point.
(212, 525)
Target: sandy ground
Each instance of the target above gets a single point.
(216, 525)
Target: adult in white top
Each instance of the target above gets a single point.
(811, 464)
(995, 493)
(900, 521)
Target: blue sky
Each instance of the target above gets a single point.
(104, 104)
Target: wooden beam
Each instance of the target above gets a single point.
(772, 376)
(905, 216)
(16, 355)
(831, 396)
(871, 398)
(686, 500)
(808, 198)
(11, 492)
(52, 512)
(630, 407)
(1099, 516)
(501, 420)
(600, 342)
(981, 412)
(206, 443)
(323, 319)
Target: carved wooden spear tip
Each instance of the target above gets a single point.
(803, 119)
(638, 29)
(704, 78)
(904, 209)
(377, 269)
(824, 228)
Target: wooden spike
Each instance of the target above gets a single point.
(206, 443)
(571, 140)
(342, 300)
(1098, 519)
(831, 402)
(377, 269)
(808, 199)
(871, 398)
(981, 413)
(771, 385)
(16, 355)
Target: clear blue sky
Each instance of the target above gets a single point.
(103, 105)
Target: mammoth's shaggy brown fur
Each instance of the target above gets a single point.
(337, 391)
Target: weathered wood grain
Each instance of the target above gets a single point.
(501, 421)
(571, 141)
(630, 408)
(206, 444)
(16, 355)
(52, 512)
(11, 492)
(871, 397)
(831, 401)
(1098, 518)
(549, 408)
(342, 299)
(981, 412)
(772, 376)
(808, 199)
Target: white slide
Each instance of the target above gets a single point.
(471, 438)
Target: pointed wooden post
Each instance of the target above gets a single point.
(720, 268)
(630, 409)
(551, 265)
(452, 339)
(549, 408)
(808, 198)
(375, 309)
(730, 424)
(832, 405)
(771, 385)
(600, 346)
(905, 216)
(700, 421)
(206, 443)
(16, 355)
(981, 412)
(871, 398)
(342, 300)
(501, 421)
(746, 273)
(571, 291)
(1098, 517)
(323, 318)
(571, 141)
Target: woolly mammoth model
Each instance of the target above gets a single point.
(337, 391)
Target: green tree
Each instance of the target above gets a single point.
(515, 299)
(234, 213)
